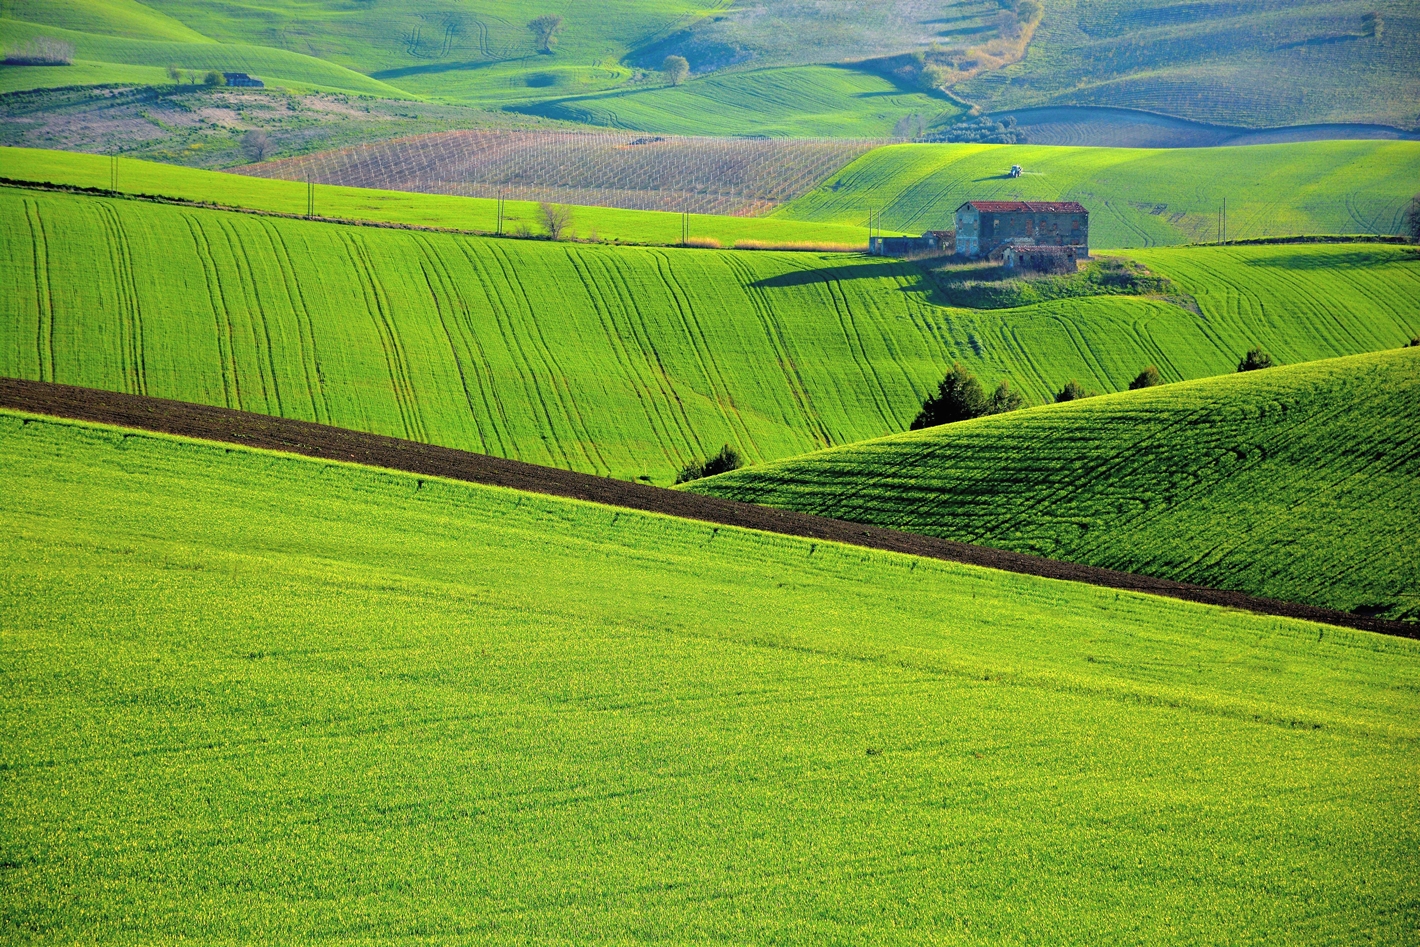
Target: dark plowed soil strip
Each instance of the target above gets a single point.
(330, 443)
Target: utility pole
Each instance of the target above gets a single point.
(310, 198)
(113, 172)
(500, 211)
(1225, 220)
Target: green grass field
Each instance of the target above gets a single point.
(117, 59)
(615, 360)
(74, 169)
(1137, 197)
(480, 53)
(794, 101)
(1256, 64)
(1297, 483)
(257, 699)
(477, 52)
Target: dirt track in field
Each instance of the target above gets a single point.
(330, 443)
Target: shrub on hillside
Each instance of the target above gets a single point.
(959, 398)
(1073, 391)
(1004, 398)
(1415, 342)
(40, 51)
(1255, 359)
(214, 78)
(1148, 378)
(728, 459)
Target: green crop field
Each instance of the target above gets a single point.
(481, 53)
(615, 360)
(1137, 197)
(261, 699)
(796, 101)
(1255, 63)
(73, 169)
(116, 59)
(1298, 483)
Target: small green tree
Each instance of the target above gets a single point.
(959, 397)
(1148, 378)
(1071, 392)
(1372, 24)
(1004, 398)
(544, 30)
(214, 78)
(1254, 359)
(675, 69)
(175, 74)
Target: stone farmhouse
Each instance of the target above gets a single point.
(986, 228)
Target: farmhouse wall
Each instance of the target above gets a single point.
(985, 228)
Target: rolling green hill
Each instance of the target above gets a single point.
(614, 360)
(124, 56)
(796, 101)
(1137, 197)
(254, 698)
(481, 53)
(1298, 483)
(1255, 62)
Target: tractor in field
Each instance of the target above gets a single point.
(1016, 171)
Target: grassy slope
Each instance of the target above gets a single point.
(479, 52)
(472, 51)
(128, 18)
(1298, 483)
(804, 101)
(1253, 63)
(629, 361)
(1137, 197)
(533, 720)
(121, 56)
(429, 210)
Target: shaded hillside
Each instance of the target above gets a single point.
(624, 361)
(392, 690)
(1298, 483)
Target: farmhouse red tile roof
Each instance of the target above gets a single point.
(1030, 207)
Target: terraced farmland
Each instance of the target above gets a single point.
(1136, 197)
(740, 177)
(1298, 483)
(623, 361)
(802, 101)
(533, 720)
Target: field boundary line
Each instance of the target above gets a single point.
(323, 442)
